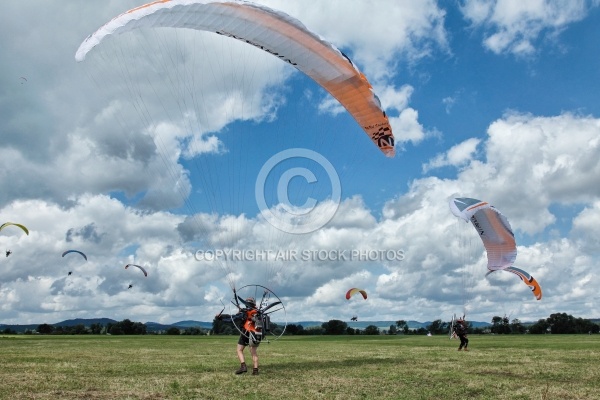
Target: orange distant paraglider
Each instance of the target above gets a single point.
(353, 291)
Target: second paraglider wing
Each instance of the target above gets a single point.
(493, 228)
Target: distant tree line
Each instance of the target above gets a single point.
(337, 327)
(125, 327)
(563, 323)
(557, 324)
(332, 327)
(192, 330)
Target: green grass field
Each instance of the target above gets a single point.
(301, 367)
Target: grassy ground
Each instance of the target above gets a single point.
(303, 367)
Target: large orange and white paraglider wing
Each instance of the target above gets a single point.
(274, 32)
(493, 229)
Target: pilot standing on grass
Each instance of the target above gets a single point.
(250, 335)
(461, 331)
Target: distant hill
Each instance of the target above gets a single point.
(193, 324)
(84, 322)
(87, 322)
(68, 322)
(156, 326)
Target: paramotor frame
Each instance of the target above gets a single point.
(268, 306)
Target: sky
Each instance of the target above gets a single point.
(195, 155)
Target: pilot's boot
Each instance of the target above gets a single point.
(242, 369)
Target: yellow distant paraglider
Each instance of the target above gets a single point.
(4, 225)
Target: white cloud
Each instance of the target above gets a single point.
(586, 227)
(456, 156)
(515, 26)
(407, 128)
(405, 124)
(449, 103)
(562, 153)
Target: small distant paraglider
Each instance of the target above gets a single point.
(353, 291)
(23, 227)
(23, 80)
(139, 266)
(75, 251)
